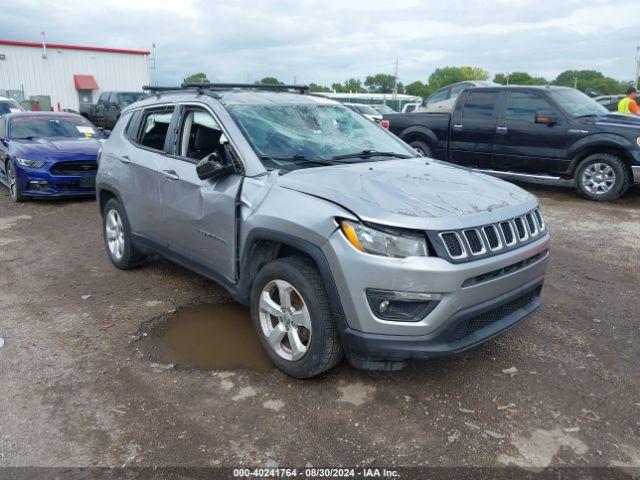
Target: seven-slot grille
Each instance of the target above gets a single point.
(493, 238)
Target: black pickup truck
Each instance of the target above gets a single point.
(545, 134)
(106, 111)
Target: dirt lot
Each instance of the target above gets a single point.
(78, 389)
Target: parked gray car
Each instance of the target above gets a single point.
(335, 233)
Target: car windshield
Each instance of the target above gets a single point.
(7, 106)
(27, 127)
(366, 110)
(129, 97)
(384, 109)
(311, 132)
(576, 103)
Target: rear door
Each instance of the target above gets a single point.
(199, 216)
(521, 144)
(143, 154)
(473, 128)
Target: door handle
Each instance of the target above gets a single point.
(501, 129)
(170, 174)
(124, 159)
(457, 126)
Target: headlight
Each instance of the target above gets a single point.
(377, 242)
(30, 163)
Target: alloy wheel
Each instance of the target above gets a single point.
(598, 178)
(13, 187)
(285, 320)
(115, 234)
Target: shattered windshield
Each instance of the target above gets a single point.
(307, 132)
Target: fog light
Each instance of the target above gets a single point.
(384, 306)
(38, 185)
(402, 306)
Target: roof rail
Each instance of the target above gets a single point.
(248, 86)
(156, 88)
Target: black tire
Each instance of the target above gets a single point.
(422, 148)
(324, 348)
(130, 257)
(14, 185)
(621, 182)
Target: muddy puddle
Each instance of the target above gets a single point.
(208, 337)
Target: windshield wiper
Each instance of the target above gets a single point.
(298, 160)
(370, 153)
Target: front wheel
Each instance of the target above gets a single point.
(14, 185)
(602, 177)
(290, 313)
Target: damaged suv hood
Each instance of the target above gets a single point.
(413, 193)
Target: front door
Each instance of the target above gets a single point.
(199, 216)
(473, 128)
(144, 155)
(521, 144)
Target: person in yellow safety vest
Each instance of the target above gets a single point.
(628, 104)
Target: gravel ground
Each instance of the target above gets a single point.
(77, 389)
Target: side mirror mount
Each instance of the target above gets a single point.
(106, 133)
(546, 117)
(212, 166)
(5, 142)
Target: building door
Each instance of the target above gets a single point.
(85, 96)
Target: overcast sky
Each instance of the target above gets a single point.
(329, 41)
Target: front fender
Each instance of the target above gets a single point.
(603, 140)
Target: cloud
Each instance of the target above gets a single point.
(326, 42)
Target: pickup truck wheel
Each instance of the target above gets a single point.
(602, 177)
(423, 148)
(290, 313)
(117, 237)
(14, 184)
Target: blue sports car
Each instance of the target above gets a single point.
(47, 154)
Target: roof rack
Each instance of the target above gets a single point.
(227, 86)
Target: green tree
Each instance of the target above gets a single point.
(442, 77)
(590, 81)
(197, 78)
(380, 83)
(353, 85)
(519, 78)
(314, 87)
(416, 88)
(270, 81)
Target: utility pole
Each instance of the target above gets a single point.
(635, 79)
(395, 82)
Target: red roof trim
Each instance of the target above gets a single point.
(73, 47)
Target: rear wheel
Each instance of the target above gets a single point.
(14, 185)
(290, 313)
(117, 237)
(602, 177)
(423, 148)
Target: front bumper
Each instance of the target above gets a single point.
(635, 170)
(464, 330)
(460, 286)
(41, 183)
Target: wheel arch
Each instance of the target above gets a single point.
(263, 246)
(104, 193)
(609, 144)
(417, 132)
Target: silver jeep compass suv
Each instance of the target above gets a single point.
(335, 233)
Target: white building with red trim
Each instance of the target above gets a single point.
(69, 74)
